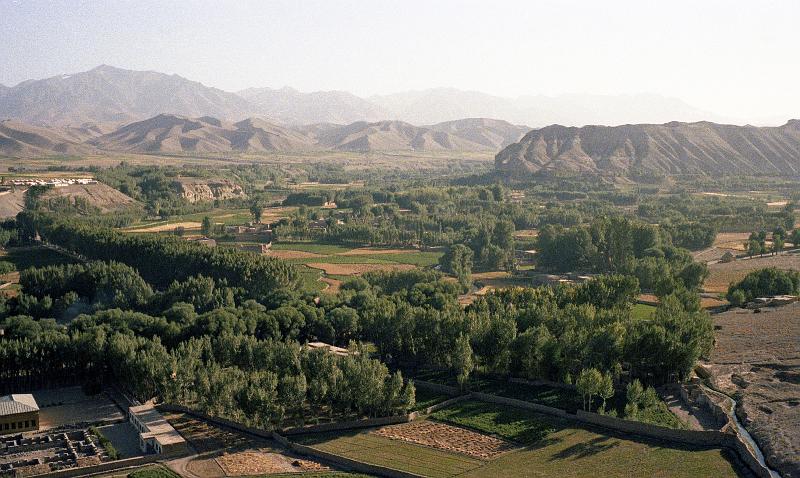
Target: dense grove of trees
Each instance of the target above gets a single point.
(620, 245)
(163, 259)
(764, 283)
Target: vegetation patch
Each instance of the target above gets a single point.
(515, 424)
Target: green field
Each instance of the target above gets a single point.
(378, 450)
(153, 472)
(309, 278)
(553, 447)
(325, 249)
(425, 399)
(514, 424)
(642, 311)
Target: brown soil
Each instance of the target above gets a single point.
(333, 285)
(205, 437)
(287, 254)
(166, 227)
(757, 357)
(205, 468)
(356, 269)
(265, 461)
(447, 437)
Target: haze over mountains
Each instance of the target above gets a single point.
(673, 148)
(109, 94)
(111, 109)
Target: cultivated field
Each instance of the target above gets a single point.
(544, 446)
(757, 358)
(447, 437)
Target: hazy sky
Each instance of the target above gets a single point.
(735, 58)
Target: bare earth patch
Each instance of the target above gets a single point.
(356, 269)
(259, 462)
(289, 254)
(333, 285)
(757, 357)
(166, 227)
(448, 438)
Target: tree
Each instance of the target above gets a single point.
(606, 389)
(794, 238)
(206, 227)
(753, 247)
(589, 384)
(256, 210)
(458, 261)
(777, 244)
(461, 360)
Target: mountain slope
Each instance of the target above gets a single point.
(19, 139)
(392, 136)
(489, 133)
(290, 106)
(113, 94)
(177, 134)
(672, 148)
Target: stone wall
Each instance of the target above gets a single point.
(103, 467)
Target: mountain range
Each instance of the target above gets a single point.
(166, 133)
(672, 148)
(109, 94)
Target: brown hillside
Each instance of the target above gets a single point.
(672, 148)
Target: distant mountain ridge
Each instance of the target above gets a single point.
(671, 148)
(174, 134)
(292, 107)
(109, 94)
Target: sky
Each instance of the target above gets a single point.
(734, 58)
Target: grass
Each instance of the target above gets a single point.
(426, 398)
(554, 447)
(106, 443)
(642, 311)
(377, 450)
(515, 424)
(309, 278)
(324, 249)
(35, 256)
(154, 472)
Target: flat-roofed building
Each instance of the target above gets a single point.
(18, 413)
(156, 435)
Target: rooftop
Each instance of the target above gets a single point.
(17, 403)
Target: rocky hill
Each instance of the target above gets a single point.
(672, 148)
(201, 189)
